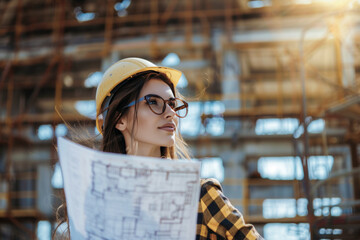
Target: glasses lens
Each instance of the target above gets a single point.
(180, 108)
(156, 104)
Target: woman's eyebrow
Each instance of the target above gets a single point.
(166, 98)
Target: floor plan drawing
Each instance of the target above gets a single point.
(158, 206)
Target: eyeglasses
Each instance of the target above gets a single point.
(158, 105)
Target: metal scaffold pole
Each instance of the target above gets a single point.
(306, 180)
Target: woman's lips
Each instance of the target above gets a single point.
(170, 127)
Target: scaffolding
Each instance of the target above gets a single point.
(50, 47)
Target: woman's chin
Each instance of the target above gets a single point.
(170, 143)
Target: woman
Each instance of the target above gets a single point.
(138, 114)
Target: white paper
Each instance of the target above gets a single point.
(115, 196)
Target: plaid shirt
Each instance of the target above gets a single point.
(218, 219)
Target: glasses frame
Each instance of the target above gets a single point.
(147, 99)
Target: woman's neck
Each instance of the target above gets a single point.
(144, 149)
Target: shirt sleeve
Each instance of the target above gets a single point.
(221, 216)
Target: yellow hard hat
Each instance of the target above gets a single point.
(121, 71)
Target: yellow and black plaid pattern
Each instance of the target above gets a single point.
(218, 219)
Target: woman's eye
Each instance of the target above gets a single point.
(152, 101)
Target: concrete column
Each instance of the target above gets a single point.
(347, 52)
(231, 88)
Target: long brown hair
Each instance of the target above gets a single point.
(113, 140)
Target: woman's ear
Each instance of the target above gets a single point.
(121, 125)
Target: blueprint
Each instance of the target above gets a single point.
(116, 196)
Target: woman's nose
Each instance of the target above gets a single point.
(169, 112)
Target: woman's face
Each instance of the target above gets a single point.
(151, 131)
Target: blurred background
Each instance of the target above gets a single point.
(273, 87)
